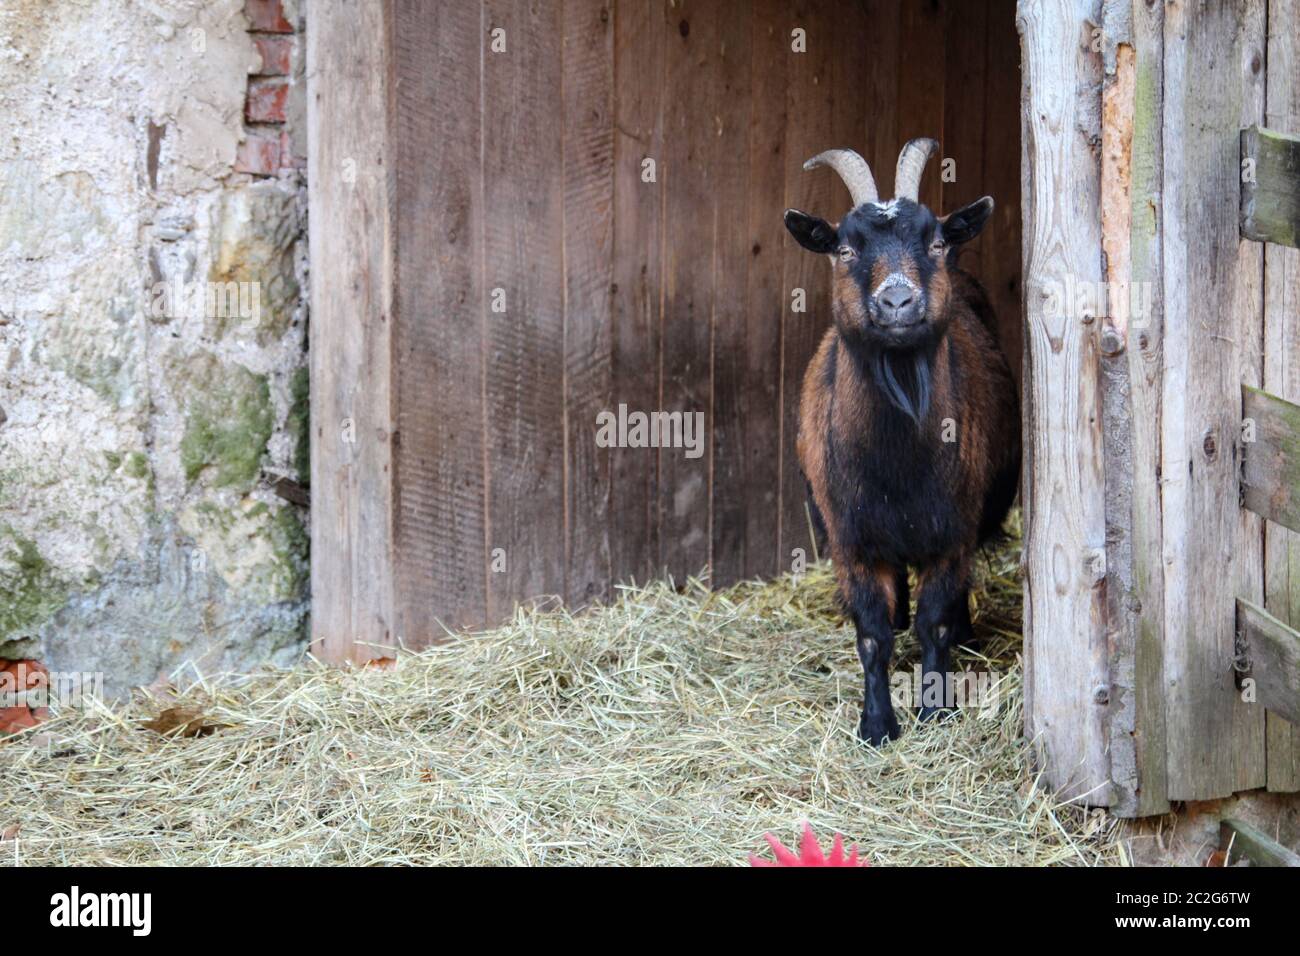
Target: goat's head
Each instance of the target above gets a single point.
(890, 260)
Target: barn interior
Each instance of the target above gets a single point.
(619, 174)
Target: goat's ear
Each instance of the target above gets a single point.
(815, 235)
(965, 224)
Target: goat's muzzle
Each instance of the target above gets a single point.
(898, 305)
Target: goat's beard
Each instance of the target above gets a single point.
(904, 379)
(900, 370)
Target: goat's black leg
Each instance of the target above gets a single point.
(963, 634)
(942, 619)
(870, 600)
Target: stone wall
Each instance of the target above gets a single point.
(152, 336)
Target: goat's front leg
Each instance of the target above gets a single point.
(942, 620)
(870, 595)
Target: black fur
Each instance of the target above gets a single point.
(904, 379)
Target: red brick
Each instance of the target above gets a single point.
(266, 16)
(259, 155)
(18, 676)
(276, 54)
(266, 99)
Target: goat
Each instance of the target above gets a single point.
(909, 422)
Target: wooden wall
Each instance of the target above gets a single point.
(514, 177)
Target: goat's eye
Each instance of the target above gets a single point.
(847, 254)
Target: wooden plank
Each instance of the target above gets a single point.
(849, 77)
(920, 93)
(810, 129)
(1212, 333)
(438, 508)
(1282, 376)
(765, 296)
(884, 21)
(1001, 262)
(639, 64)
(1130, 369)
(965, 116)
(739, 438)
(523, 271)
(1142, 343)
(1245, 841)
(351, 261)
(1066, 651)
(691, 227)
(1272, 649)
(1270, 195)
(1270, 473)
(588, 70)
(1249, 727)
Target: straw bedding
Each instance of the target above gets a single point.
(671, 727)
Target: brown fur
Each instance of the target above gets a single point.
(986, 422)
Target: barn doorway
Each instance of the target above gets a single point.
(585, 203)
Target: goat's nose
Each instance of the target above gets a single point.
(896, 298)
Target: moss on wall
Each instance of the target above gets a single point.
(30, 591)
(299, 424)
(228, 421)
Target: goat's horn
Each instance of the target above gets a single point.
(911, 164)
(853, 169)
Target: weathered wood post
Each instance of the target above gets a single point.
(351, 347)
(1066, 677)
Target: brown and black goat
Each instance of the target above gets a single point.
(909, 429)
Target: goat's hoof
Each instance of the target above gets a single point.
(878, 732)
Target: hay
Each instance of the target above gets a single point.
(668, 728)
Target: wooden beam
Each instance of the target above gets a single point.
(351, 250)
(1001, 263)
(810, 113)
(523, 304)
(640, 35)
(1066, 674)
(1270, 187)
(741, 439)
(437, 323)
(1272, 653)
(765, 302)
(1246, 842)
(1270, 474)
(1130, 368)
(588, 231)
